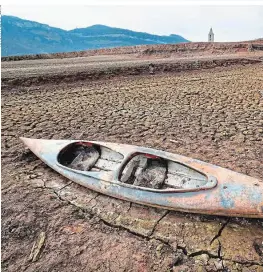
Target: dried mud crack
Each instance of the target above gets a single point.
(220, 231)
(181, 250)
(213, 115)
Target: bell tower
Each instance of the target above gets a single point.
(211, 35)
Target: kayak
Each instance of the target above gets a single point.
(152, 177)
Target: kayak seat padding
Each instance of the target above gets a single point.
(145, 172)
(86, 158)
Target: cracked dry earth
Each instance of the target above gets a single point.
(214, 115)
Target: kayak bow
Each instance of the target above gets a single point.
(152, 177)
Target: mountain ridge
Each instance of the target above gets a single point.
(22, 36)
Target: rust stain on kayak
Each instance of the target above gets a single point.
(153, 177)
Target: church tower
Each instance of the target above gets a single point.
(211, 35)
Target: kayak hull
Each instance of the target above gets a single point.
(234, 194)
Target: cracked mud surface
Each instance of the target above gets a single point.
(214, 115)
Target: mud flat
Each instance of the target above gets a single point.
(213, 114)
(68, 70)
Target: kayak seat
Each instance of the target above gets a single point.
(145, 172)
(85, 156)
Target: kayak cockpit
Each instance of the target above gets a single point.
(85, 156)
(155, 172)
(139, 169)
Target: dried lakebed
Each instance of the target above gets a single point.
(214, 115)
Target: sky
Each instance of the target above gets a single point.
(229, 23)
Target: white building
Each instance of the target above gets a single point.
(211, 35)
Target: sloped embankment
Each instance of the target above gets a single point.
(164, 50)
(27, 76)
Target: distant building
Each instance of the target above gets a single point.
(211, 35)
